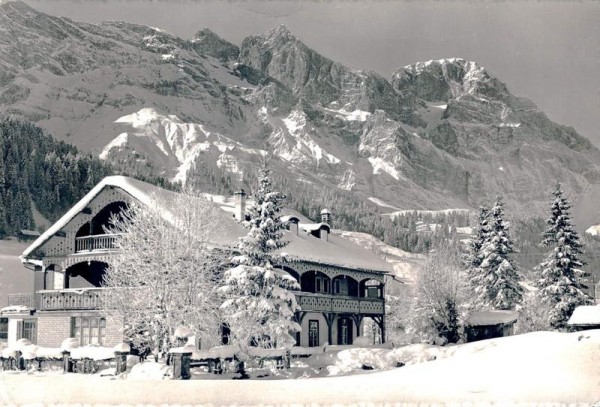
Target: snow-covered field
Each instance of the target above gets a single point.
(543, 368)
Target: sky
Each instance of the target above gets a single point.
(547, 51)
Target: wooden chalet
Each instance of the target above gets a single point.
(490, 324)
(585, 317)
(341, 282)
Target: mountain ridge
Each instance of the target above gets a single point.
(436, 134)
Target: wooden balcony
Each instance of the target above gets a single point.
(339, 304)
(95, 243)
(91, 299)
(70, 299)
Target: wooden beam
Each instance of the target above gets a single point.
(329, 318)
(358, 318)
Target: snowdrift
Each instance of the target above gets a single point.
(537, 368)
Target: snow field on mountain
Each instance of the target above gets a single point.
(542, 368)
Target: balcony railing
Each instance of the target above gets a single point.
(339, 304)
(22, 299)
(95, 243)
(70, 299)
(91, 298)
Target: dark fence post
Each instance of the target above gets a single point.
(67, 362)
(121, 352)
(181, 365)
(121, 359)
(20, 360)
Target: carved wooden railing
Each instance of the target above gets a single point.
(70, 299)
(339, 304)
(95, 243)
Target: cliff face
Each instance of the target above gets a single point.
(437, 134)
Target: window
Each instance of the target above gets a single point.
(321, 284)
(28, 330)
(313, 333)
(3, 328)
(336, 286)
(373, 292)
(89, 330)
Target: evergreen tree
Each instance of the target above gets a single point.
(560, 275)
(497, 279)
(472, 258)
(259, 307)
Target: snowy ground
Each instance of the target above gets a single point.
(543, 368)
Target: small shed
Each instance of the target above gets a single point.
(490, 324)
(585, 317)
(25, 235)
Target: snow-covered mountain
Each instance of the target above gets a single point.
(436, 135)
(172, 147)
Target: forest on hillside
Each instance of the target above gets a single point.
(53, 175)
(36, 168)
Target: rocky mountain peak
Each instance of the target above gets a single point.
(208, 43)
(18, 10)
(280, 32)
(15, 5)
(440, 134)
(444, 79)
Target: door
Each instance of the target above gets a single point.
(313, 333)
(344, 331)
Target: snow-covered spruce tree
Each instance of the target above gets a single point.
(258, 305)
(496, 280)
(440, 296)
(164, 273)
(472, 258)
(561, 278)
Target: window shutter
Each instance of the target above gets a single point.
(19, 329)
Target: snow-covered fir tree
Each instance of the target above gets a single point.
(560, 275)
(472, 258)
(497, 279)
(259, 306)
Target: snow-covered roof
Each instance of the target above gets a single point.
(289, 218)
(14, 309)
(585, 315)
(141, 191)
(481, 318)
(335, 251)
(311, 227)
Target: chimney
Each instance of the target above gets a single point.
(326, 216)
(240, 205)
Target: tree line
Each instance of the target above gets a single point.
(53, 175)
(484, 275)
(36, 168)
(349, 211)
